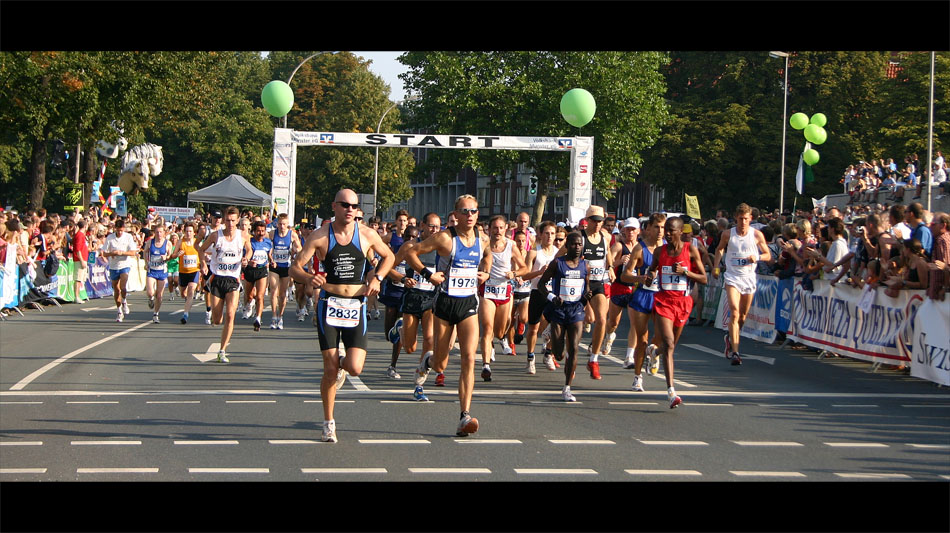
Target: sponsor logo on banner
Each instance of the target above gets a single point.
(565, 143)
(326, 137)
(931, 353)
(583, 169)
(582, 154)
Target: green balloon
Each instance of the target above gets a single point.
(578, 107)
(798, 120)
(819, 119)
(277, 98)
(810, 156)
(815, 134)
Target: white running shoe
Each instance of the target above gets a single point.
(154, 318)
(391, 372)
(208, 317)
(567, 396)
(546, 335)
(273, 322)
(125, 307)
(422, 371)
(492, 355)
(505, 348)
(638, 383)
(329, 431)
(247, 313)
(280, 323)
(223, 357)
(549, 362)
(653, 360)
(119, 316)
(151, 302)
(531, 369)
(587, 327)
(610, 343)
(300, 315)
(629, 363)
(340, 378)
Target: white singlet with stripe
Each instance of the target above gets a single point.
(740, 273)
(226, 255)
(541, 261)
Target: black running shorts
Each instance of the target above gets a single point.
(454, 310)
(329, 335)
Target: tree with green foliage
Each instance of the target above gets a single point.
(518, 93)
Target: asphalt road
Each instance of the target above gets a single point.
(83, 398)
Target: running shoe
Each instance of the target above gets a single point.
(393, 334)
(391, 372)
(329, 431)
(674, 400)
(418, 395)
(119, 316)
(184, 318)
(594, 368)
(610, 343)
(273, 322)
(422, 371)
(280, 323)
(467, 426)
(629, 363)
(340, 378)
(375, 314)
(257, 324)
(154, 318)
(486, 373)
(530, 367)
(567, 396)
(208, 317)
(492, 355)
(736, 360)
(520, 328)
(549, 362)
(151, 302)
(440, 379)
(505, 347)
(247, 313)
(654, 359)
(519, 338)
(638, 383)
(546, 335)
(125, 307)
(300, 315)
(223, 357)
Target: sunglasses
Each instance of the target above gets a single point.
(559, 240)
(473, 211)
(346, 205)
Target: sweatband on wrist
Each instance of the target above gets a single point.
(426, 273)
(551, 296)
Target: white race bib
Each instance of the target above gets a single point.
(259, 257)
(739, 260)
(571, 289)
(671, 281)
(598, 269)
(189, 261)
(401, 270)
(343, 312)
(281, 256)
(496, 289)
(422, 284)
(156, 262)
(463, 281)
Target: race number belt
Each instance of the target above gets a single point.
(343, 312)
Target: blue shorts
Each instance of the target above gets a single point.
(642, 301)
(621, 300)
(567, 313)
(157, 275)
(391, 296)
(114, 274)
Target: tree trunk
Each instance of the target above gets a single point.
(540, 200)
(38, 174)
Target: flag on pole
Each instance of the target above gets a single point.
(800, 175)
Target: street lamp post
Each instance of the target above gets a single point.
(781, 193)
(376, 165)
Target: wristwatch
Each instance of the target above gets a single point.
(378, 278)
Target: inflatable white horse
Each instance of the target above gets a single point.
(137, 165)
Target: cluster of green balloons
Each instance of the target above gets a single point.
(814, 130)
(277, 98)
(578, 107)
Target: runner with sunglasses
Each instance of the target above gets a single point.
(621, 291)
(342, 247)
(464, 262)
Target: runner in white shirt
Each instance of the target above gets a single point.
(538, 260)
(230, 251)
(121, 249)
(743, 246)
(494, 310)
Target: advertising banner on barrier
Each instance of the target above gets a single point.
(98, 284)
(831, 318)
(65, 279)
(760, 321)
(713, 289)
(783, 304)
(931, 351)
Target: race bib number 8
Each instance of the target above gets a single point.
(571, 289)
(343, 312)
(463, 281)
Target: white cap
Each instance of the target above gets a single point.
(561, 225)
(631, 222)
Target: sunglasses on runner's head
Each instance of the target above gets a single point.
(346, 205)
(472, 211)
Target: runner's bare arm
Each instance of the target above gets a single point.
(519, 263)
(385, 264)
(764, 253)
(636, 257)
(440, 242)
(306, 253)
(723, 242)
(484, 266)
(699, 276)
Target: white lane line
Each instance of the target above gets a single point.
(174, 401)
(87, 309)
(449, 470)
(210, 355)
(580, 441)
(335, 401)
(488, 441)
(637, 472)
(343, 470)
(177, 312)
(783, 405)
(631, 403)
(116, 470)
(22, 470)
(250, 401)
(613, 359)
(229, 470)
(871, 476)
(753, 473)
(292, 441)
(555, 402)
(931, 446)
(49, 366)
(944, 476)
(393, 441)
(926, 405)
(766, 443)
(856, 445)
(357, 383)
(674, 442)
(719, 353)
(106, 442)
(556, 471)
(92, 403)
(21, 403)
(692, 404)
(406, 401)
(205, 442)
(24, 443)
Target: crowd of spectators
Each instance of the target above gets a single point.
(885, 181)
